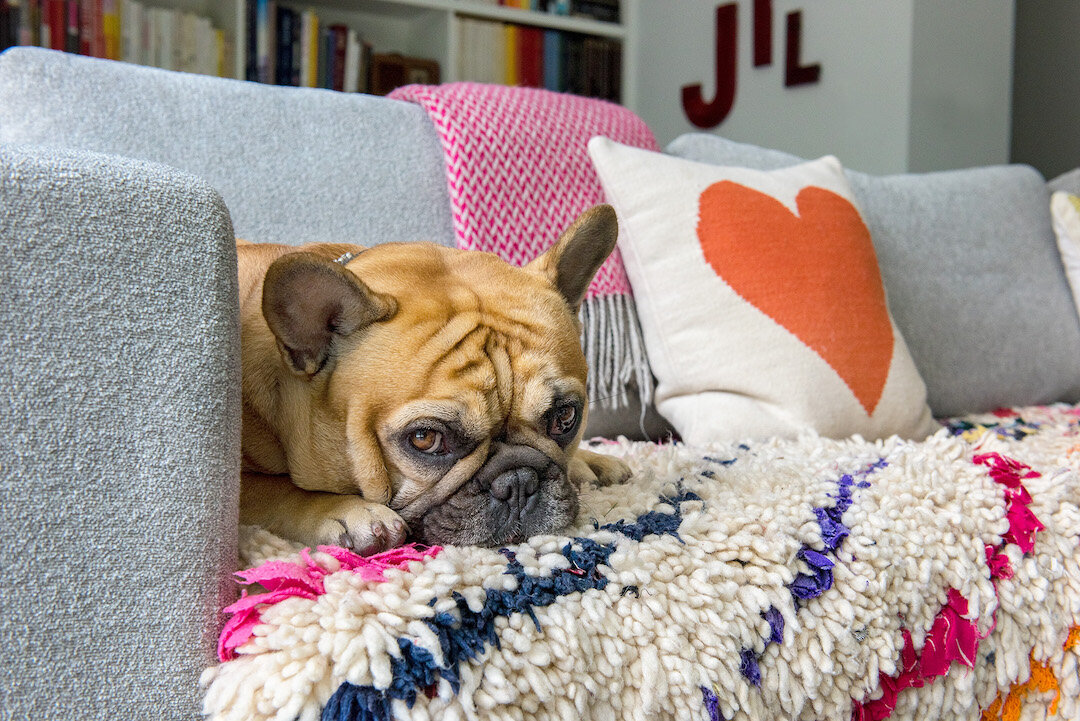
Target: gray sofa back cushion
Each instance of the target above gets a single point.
(293, 165)
(972, 273)
(120, 455)
(1068, 182)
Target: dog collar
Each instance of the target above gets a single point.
(344, 260)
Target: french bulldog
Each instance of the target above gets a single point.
(412, 391)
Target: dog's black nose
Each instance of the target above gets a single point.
(513, 476)
(514, 487)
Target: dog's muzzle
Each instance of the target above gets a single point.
(518, 492)
(512, 476)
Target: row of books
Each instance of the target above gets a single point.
(125, 30)
(286, 46)
(607, 10)
(492, 52)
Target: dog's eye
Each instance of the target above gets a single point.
(427, 440)
(563, 420)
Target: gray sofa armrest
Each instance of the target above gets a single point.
(120, 452)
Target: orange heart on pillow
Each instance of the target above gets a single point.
(815, 273)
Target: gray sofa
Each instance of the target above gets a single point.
(121, 190)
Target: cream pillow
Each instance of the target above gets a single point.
(760, 300)
(1065, 209)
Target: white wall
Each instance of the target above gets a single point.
(961, 90)
(1046, 91)
(894, 93)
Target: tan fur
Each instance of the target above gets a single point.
(470, 337)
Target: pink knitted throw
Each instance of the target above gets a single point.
(519, 174)
(517, 165)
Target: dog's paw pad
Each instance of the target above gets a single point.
(367, 529)
(613, 472)
(598, 469)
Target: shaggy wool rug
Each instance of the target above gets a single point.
(807, 579)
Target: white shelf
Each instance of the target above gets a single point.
(425, 28)
(500, 13)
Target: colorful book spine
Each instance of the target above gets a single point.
(30, 23)
(219, 48)
(85, 34)
(366, 53)
(284, 69)
(129, 22)
(553, 60)
(324, 78)
(352, 62)
(55, 27)
(72, 26)
(309, 49)
(110, 28)
(263, 41)
(251, 45)
(510, 55)
(339, 38)
(9, 23)
(530, 45)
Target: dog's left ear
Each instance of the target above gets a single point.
(579, 252)
(309, 302)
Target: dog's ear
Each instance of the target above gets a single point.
(309, 301)
(579, 252)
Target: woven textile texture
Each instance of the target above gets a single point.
(518, 175)
(517, 165)
(803, 579)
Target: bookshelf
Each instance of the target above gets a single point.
(434, 29)
(446, 31)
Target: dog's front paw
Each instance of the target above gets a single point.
(598, 469)
(361, 526)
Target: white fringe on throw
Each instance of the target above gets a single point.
(615, 351)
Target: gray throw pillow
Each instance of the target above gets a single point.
(972, 274)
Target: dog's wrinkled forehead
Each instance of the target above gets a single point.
(516, 373)
(471, 306)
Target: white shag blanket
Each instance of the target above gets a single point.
(809, 579)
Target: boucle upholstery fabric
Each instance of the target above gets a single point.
(804, 579)
(294, 165)
(972, 273)
(120, 456)
(1067, 182)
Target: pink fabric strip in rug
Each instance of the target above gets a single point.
(519, 173)
(283, 580)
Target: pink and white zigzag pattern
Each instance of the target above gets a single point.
(517, 166)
